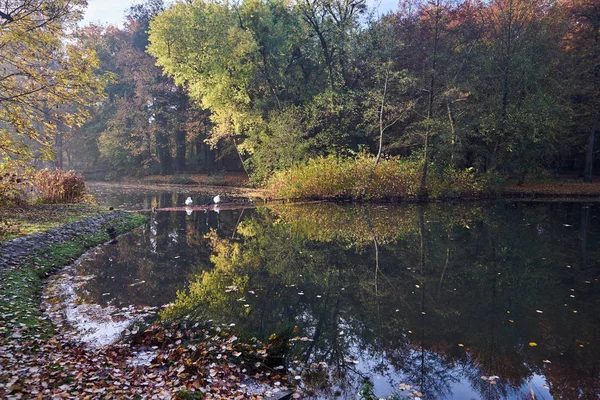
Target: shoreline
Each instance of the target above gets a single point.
(39, 360)
(556, 190)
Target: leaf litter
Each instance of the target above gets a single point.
(177, 358)
(162, 360)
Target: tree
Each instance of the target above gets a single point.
(582, 48)
(515, 78)
(46, 80)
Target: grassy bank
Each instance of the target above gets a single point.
(20, 287)
(394, 179)
(27, 219)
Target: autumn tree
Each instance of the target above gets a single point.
(46, 79)
(515, 89)
(582, 48)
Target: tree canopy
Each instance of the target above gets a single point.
(47, 79)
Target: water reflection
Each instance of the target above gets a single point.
(434, 296)
(144, 197)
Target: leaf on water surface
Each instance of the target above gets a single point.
(532, 344)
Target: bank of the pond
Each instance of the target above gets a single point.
(27, 219)
(397, 179)
(27, 260)
(168, 360)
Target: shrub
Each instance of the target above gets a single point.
(336, 177)
(12, 186)
(58, 186)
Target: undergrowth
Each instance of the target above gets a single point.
(346, 178)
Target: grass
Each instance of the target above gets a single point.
(20, 288)
(28, 219)
(394, 179)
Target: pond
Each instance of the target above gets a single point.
(459, 301)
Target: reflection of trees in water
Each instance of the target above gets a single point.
(161, 254)
(478, 275)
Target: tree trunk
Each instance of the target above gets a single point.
(436, 32)
(452, 130)
(59, 151)
(162, 144)
(180, 150)
(589, 156)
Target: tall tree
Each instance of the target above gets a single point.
(41, 72)
(516, 80)
(582, 47)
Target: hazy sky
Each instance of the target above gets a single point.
(112, 11)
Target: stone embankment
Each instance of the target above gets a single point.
(17, 251)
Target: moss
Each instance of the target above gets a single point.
(21, 287)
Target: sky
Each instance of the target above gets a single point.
(112, 11)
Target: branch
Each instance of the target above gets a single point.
(6, 17)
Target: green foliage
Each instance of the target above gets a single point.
(276, 83)
(58, 186)
(336, 177)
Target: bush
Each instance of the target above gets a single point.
(349, 178)
(11, 188)
(58, 186)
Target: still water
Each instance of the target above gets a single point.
(459, 301)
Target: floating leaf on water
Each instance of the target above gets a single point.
(547, 361)
(461, 345)
(532, 344)
(539, 311)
